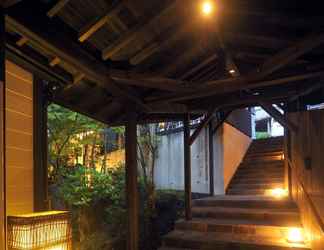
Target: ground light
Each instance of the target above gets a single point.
(295, 235)
(46, 231)
(207, 8)
(277, 193)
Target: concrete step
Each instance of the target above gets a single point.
(262, 164)
(261, 159)
(237, 191)
(260, 174)
(247, 227)
(259, 180)
(244, 202)
(226, 241)
(264, 153)
(287, 216)
(235, 185)
(269, 169)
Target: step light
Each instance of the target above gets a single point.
(46, 231)
(295, 235)
(277, 193)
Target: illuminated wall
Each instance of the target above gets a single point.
(19, 139)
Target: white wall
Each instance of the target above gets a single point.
(230, 146)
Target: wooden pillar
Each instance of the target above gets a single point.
(131, 183)
(2, 134)
(40, 147)
(187, 166)
(211, 159)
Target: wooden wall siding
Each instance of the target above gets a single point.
(19, 139)
(307, 148)
(2, 133)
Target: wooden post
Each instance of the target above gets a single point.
(211, 159)
(187, 166)
(40, 147)
(131, 182)
(2, 133)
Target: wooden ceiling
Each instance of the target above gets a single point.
(162, 58)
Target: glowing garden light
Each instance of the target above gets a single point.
(295, 235)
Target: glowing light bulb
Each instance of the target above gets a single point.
(207, 8)
(295, 235)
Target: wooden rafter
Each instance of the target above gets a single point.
(233, 85)
(159, 45)
(96, 24)
(83, 64)
(186, 57)
(127, 37)
(55, 61)
(22, 41)
(57, 8)
(279, 117)
(271, 65)
(198, 67)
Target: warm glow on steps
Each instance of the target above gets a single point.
(277, 193)
(295, 235)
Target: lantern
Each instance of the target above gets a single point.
(46, 231)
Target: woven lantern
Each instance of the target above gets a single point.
(40, 231)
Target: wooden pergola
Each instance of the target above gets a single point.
(137, 61)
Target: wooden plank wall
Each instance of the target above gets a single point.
(2, 133)
(307, 167)
(19, 139)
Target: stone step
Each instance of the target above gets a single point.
(244, 202)
(226, 241)
(262, 164)
(247, 227)
(235, 185)
(261, 159)
(253, 180)
(287, 216)
(264, 153)
(260, 174)
(270, 169)
(237, 191)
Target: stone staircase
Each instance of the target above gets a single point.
(244, 218)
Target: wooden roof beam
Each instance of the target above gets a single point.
(160, 45)
(198, 67)
(22, 41)
(57, 8)
(279, 117)
(127, 37)
(55, 61)
(93, 70)
(235, 85)
(96, 24)
(271, 65)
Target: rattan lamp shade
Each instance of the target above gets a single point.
(40, 231)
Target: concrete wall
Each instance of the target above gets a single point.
(230, 145)
(169, 171)
(19, 140)
(307, 172)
